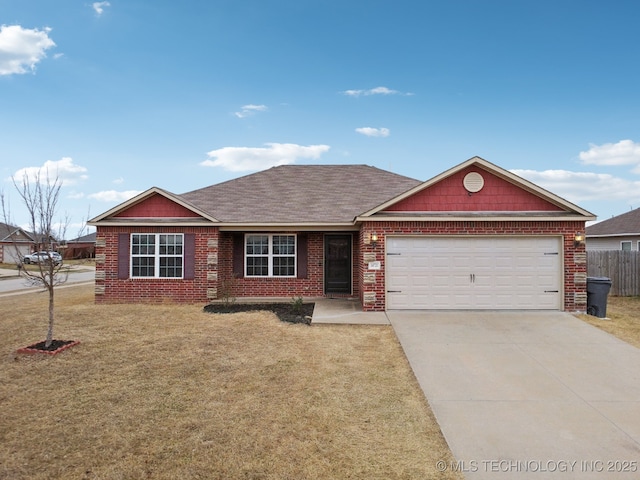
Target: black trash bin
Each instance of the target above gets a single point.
(597, 293)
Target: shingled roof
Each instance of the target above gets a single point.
(625, 224)
(300, 194)
(9, 233)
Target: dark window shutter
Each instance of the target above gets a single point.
(189, 256)
(123, 256)
(303, 256)
(238, 255)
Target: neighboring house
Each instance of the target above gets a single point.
(81, 247)
(474, 237)
(617, 233)
(15, 243)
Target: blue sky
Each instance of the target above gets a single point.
(118, 96)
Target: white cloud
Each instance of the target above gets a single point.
(584, 186)
(75, 195)
(114, 196)
(22, 48)
(238, 159)
(373, 132)
(99, 7)
(248, 110)
(374, 91)
(118, 181)
(64, 170)
(625, 152)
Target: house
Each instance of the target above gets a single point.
(15, 243)
(617, 233)
(81, 247)
(474, 237)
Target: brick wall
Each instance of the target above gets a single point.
(111, 289)
(214, 277)
(214, 264)
(312, 286)
(574, 258)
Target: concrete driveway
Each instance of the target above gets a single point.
(534, 395)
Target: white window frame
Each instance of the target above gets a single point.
(156, 255)
(271, 255)
(622, 244)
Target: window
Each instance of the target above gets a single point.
(270, 255)
(157, 255)
(625, 246)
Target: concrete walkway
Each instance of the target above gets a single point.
(527, 395)
(347, 311)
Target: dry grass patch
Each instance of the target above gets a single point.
(172, 392)
(623, 319)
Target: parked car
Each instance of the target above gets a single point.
(43, 257)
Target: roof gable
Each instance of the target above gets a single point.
(152, 206)
(496, 195)
(502, 193)
(11, 233)
(157, 206)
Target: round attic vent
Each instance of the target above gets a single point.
(473, 182)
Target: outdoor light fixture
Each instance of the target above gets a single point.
(374, 239)
(578, 240)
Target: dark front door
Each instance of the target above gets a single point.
(337, 264)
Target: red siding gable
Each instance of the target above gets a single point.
(497, 195)
(157, 206)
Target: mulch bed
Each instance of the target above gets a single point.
(284, 311)
(56, 346)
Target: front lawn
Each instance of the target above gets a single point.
(173, 392)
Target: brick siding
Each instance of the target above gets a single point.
(111, 289)
(214, 264)
(214, 277)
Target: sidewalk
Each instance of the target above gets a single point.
(14, 272)
(8, 273)
(13, 284)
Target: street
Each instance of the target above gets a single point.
(12, 284)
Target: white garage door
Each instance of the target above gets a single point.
(15, 253)
(474, 273)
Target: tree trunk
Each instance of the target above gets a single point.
(51, 315)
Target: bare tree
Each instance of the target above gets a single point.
(40, 197)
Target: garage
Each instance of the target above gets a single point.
(14, 253)
(474, 272)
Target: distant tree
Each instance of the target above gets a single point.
(40, 197)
